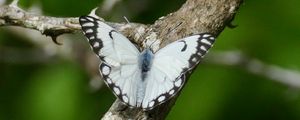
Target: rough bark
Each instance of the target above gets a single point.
(195, 16)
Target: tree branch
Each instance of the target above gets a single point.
(12, 15)
(195, 16)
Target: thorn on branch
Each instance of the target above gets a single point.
(14, 3)
(54, 39)
(93, 14)
(55, 34)
(230, 25)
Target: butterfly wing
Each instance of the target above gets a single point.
(119, 56)
(167, 74)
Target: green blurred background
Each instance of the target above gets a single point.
(34, 86)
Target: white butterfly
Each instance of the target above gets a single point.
(143, 79)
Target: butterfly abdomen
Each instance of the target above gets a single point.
(145, 62)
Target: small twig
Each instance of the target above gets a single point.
(12, 15)
(50, 26)
(285, 76)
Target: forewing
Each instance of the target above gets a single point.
(167, 74)
(112, 47)
(119, 56)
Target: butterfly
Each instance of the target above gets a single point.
(143, 79)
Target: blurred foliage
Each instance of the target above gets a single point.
(59, 89)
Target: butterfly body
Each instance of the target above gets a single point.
(143, 79)
(145, 62)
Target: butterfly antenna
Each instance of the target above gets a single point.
(129, 23)
(126, 19)
(174, 28)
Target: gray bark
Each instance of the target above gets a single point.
(195, 16)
